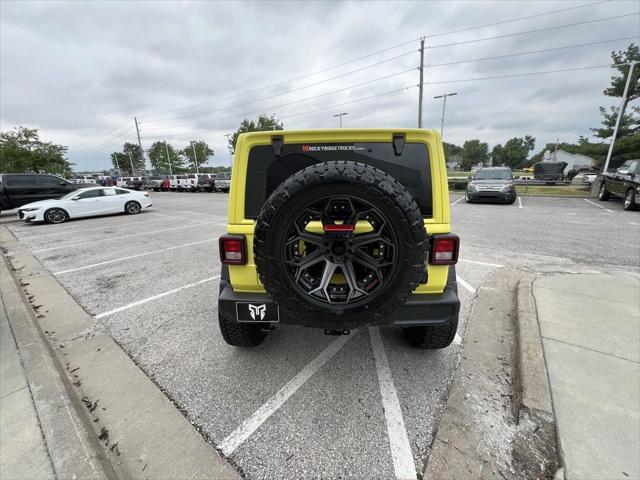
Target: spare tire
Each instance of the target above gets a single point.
(341, 243)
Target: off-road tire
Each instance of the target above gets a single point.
(239, 334)
(432, 337)
(341, 178)
(603, 194)
(630, 200)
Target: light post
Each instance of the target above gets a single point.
(340, 115)
(195, 158)
(444, 106)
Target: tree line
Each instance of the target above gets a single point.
(163, 157)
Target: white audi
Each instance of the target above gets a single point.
(86, 202)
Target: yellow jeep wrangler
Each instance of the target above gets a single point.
(339, 229)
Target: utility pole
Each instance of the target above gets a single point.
(166, 146)
(144, 163)
(421, 86)
(444, 106)
(195, 158)
(340, 115)
(620, 112)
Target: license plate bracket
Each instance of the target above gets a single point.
(257, 312)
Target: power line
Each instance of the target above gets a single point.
(545, 29)
(526, 74)
(287, 92)
(273, 107)
(91, 142)
(358, 100)
(517, 19)
(530, 52)
(283, 82)
(365, 83)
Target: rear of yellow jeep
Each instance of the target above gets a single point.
(338, 229)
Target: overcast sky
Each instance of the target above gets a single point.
(80, 72)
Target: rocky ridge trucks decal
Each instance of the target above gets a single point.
(332, 148)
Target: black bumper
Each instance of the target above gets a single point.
(419, 310)
(492, 196)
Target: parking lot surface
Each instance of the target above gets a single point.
(301, 405)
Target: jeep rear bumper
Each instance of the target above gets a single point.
(419, 310)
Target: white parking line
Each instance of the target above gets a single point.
(475, 262)
(104, 227)
(62, 272)
(465, 284)
(599, 206)
(110, 238)
(401, 455)
(155, 297)
(453, 203)
(251, 424)
(519, 202)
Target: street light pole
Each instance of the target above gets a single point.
(444, 106)
(620, 112)
(195, 158)
(131, 162)
(166, 146)
(340, 115)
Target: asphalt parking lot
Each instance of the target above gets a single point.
(151, 281)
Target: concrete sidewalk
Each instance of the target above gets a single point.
(590, 327)
(24, 454)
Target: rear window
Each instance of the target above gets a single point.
(119, 191)
(265, 172)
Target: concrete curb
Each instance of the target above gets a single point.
(498, 421)
(72, 447)
(535, 444)
(135, 427)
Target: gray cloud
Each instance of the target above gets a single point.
(78, 70)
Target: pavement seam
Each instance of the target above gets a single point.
(592, 350)
(569, 292)
(4, 395)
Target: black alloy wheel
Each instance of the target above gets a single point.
(340, 265)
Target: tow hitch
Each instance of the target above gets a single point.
(336, 333)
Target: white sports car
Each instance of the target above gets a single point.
(85, 202)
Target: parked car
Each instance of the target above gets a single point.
(493, 184)
(623, 183)
(339, 238)
(571, 174)
(83, 179)
(589, 177)
(122, 181)
(549, 172)
(85, 202)
(222, 182)
(17, 189)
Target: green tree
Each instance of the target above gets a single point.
(129, 160)
(474, 152)
(22, 151)
(203, 153)
(159, 161)
(264, 123)
(514, 153)
(626, 142)
(451, 149)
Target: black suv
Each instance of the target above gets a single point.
(17, 189)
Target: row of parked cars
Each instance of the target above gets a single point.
(190, 182)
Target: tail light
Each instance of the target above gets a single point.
(444, 249)
(233, 249)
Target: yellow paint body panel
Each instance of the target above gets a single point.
(244, 278)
